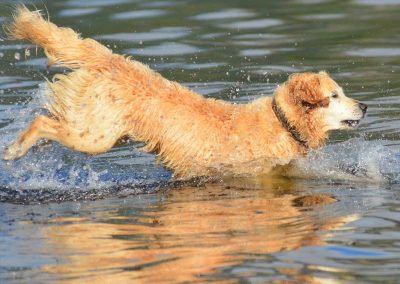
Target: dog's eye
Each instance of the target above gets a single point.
(335, 95)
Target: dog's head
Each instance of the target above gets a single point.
(316, 104)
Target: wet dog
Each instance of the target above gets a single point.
(108, 96)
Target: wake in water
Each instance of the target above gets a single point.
(53, 173)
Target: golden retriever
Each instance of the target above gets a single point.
(109, 96)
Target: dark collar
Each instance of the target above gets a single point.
(285, 123)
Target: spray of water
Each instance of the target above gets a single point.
(353, 160)
(53, 173)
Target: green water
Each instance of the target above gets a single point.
(115, 218)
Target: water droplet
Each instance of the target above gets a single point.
(17, 56)
(1, 54)
(27, 53)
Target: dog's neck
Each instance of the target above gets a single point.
(280, 115)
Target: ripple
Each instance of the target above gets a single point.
(378, 3)
(159, 4)
(310, 2)
(351, 252)
(253, 24)
(373, 221)
(375, 52)
(77, 12)
(138, 14)
(8, 79)
(165, 49)
(196, 66)
(153, 35)
(264, 36)
(212, 35)
(13, 46)
(323, 17)
(255, 52)
(188, 66)
(224, 14)
(22, 84)
(95, 3)
(261, 40)
(37, 62)
(274, 69)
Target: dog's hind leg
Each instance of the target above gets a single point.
(42, 127)
(86, 116)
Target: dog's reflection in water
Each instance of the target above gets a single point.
(190, 232)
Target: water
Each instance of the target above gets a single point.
(118, 217)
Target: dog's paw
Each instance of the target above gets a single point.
(13, 152)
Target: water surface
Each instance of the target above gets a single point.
(118, 217)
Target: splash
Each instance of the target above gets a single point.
(353, 160)
(52, 172)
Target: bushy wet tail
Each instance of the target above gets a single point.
(63, 46)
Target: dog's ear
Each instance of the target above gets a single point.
(305, 90)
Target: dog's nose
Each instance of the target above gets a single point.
(363, 107)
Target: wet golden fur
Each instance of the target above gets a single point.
(108, 96)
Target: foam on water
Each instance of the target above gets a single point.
(53, 173)
(353, 160)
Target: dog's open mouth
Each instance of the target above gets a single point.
(351, 123)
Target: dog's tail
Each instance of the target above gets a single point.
(63, 46)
